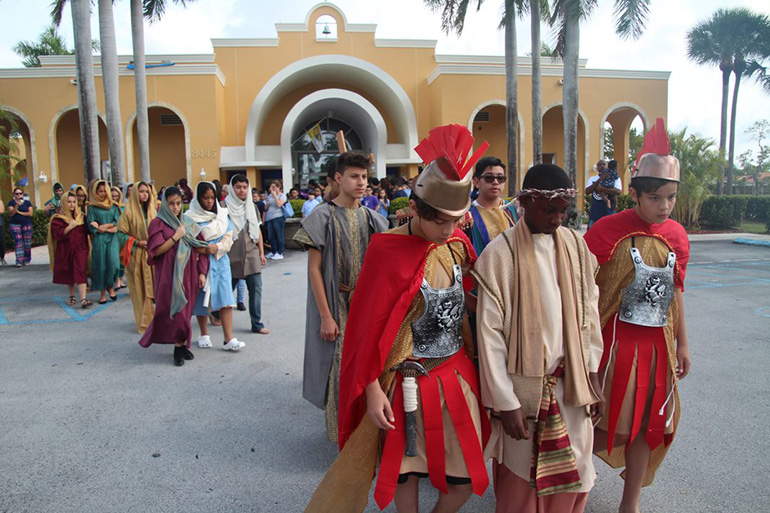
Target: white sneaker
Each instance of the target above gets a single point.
(270, 255)
(277, 256)
(234, 345)
(204, 341)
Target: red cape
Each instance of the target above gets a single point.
(391, 275)
(608, 232)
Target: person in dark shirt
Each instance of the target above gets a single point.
(20, 212)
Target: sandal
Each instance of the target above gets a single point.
(262, 331)
(102, 301)
(214, 321)
(114, 298)
(85, 303)
(71, 301)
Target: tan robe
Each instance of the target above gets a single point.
(497, 387)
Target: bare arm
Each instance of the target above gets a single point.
(329, 328)
(683, 360)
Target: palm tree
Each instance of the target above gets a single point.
(153, 10)
(111, 83)
(630, 19)
(49, 42)
(752, 46)
(89, 119)
(140, 85)
(537, 8)
(719, 40)
(453, 19)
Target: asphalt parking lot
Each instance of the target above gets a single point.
(91, 422)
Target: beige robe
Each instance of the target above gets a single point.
(497, 385)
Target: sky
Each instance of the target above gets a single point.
(694, 90)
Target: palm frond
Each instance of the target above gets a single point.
(57, 11)
(631, 17)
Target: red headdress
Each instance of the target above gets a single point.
(445, 184)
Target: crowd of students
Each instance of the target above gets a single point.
(514, 339)
(175, 264)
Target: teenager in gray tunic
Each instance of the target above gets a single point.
(336, 234)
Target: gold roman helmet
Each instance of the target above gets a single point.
(654, 160)
(445, 183)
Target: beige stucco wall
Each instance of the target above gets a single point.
(216, 113)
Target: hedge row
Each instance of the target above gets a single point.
(726, 212)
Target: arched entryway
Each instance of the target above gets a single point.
(169, 146)
(553, 141)
(335, 109)
(69, 154)
(21, 163)
(339, 70)
(487, 123)
(619, 123)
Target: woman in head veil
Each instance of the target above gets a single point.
(217, 295)
(180, 268)
(133, 224)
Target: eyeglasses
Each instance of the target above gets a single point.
(18, 194)
(492, 178)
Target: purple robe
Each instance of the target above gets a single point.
(71, 256)
(164, 329)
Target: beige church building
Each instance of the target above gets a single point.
(249, 106)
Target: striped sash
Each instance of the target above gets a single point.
(554, 469)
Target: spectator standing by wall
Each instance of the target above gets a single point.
(20, 211)
(275, 219)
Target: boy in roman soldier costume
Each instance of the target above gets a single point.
(643, 259)
(407, 383)
(539, 348)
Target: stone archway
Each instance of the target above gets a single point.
(338, 69)
(620, 117)
(487, 123)
(25, 161)
(66, 153)
(170, 156)
(350, 107)
(553, 141)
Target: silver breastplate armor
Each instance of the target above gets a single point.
(438, 332)
(646, 300)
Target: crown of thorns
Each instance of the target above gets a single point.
(552, 194)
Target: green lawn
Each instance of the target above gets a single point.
(753, 226)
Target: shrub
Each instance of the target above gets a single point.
(398, 204)
(723, 211)
(767, 216)
(297, 204)
(757, 207)
(624, 202)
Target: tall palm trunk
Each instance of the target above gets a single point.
(140, 82)
(570, 96)
(738, 70)
(89, 119)
(110, 81)
(537, 100)
(511, 97)
(726, 68)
